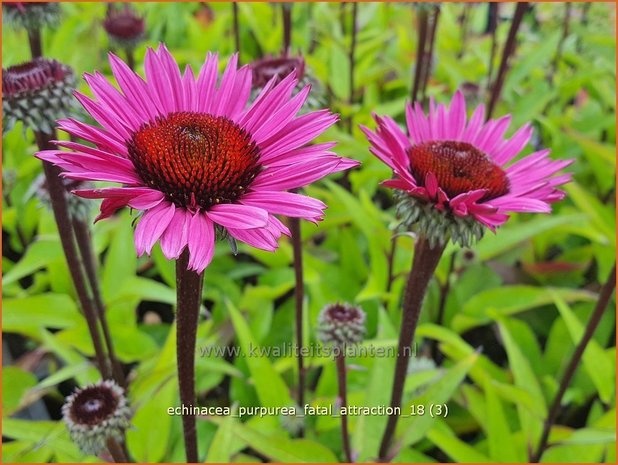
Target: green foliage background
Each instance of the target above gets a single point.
(514, 310)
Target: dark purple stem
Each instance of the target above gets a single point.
(465, 16)
(299, 296)
(57, 195)
(188, 300)
(429, 55)
(84, 243)
(343, 401)
(595, 319)
(236, 28)
(420, 54)
(565, 33)
(36, 47)
(509, 50)
(492, 26)
(116, 451)
(130, 58)
(286, 13)
(426, 259)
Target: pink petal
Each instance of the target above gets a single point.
(237, 216)
(201, 239)
(174, 238)
(152, 225)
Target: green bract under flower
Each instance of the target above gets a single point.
(438, 226)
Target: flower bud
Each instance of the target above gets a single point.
(124, 27)
(341, 324)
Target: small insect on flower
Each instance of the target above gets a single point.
(455, 177)
(194, 157)
(95, 414)
(37, 93)
(341, 324)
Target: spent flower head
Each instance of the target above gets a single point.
(96, 413)
(37, 93)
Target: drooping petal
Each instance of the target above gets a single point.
(152, 225)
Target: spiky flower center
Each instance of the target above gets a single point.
(33, 76)
(459, 167)
(197, 160)
(93, 404)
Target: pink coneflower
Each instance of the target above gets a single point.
(269, 67)
(194, 158)
(457, 175)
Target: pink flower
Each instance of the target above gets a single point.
(465, 169)
(194, 158)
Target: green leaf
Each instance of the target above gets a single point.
(596, 363)
(414, 427)
(509, 300)
(38, 255)
(511, 235)
(525, 379)
(283, 450)
(28, 314)
(121, 261)
(149, 438)
(271, 389)
(221, 446)
(443, 438)
(15, 384)
(501, 447)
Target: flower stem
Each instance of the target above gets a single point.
(464, 25)
(509, 50)
(343, 401)
(428, 57)
(352, 61)
(566, 22)
(420, 53)
(299, 297)
(36, 47)
(236, 28)
(286, 13)
(84, 243)
(57, 195)
(116, 451)
(188, 298)
(492, 26)
(426, 259)
(595, 319)
(130, 58)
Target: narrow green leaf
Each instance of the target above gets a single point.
(271, 389)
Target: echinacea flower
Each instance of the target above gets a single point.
(95, 414)
(37, 93)
(456, 176)
(194, 158)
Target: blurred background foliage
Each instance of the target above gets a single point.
(516, 303)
